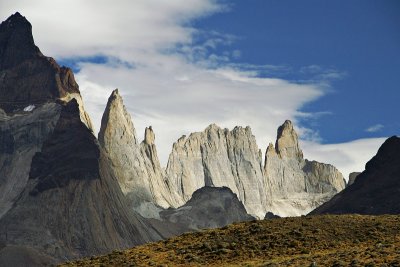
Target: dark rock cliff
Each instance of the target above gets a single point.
(376, 190)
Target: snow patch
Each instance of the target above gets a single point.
(29, 108)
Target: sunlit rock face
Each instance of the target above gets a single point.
(287, 184)
(295, 185)
(219, 157)
(135, 164)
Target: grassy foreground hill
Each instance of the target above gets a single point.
(328, 240)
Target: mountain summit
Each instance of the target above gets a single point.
(16, 42)
(287, 141)
(27, 77)
(296, 185)
(136, 164)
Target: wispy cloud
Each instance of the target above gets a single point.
(374, 128)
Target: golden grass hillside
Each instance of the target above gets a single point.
(328, 240)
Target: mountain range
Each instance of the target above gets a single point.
(66, 193)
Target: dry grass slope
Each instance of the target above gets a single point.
(328, 240)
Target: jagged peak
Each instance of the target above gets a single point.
(287, 141)
(386, 153)
(114, 100)
(212, 127)
(29, 77)
(149, 136)
(115, 93)
(16, 41)
(270, 149)
(116, 116)
(16, 19)
(115, 96)
(240, 129)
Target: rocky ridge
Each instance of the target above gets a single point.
(328, 240)
(296, 185)
(136, 165)
(71, 205)
(209, 207)
(376, 189)
(219, 157)
(287, 184)
(352, 177)
(27, 77)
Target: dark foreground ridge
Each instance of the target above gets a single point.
(376, 190)
(328, 240)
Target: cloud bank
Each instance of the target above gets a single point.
(170, 74)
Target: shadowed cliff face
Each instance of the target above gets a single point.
(26, 76)
(376, 190)
(72, 205)
(71, 152)
(20, 138)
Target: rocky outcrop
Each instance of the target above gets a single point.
(136, 165)
(295, 185)
(209, 207)
(287, 184)
(27, 77)
(59, 197)
(352, 178)
(21, 136)
(72, 205)
(376, 189)
(219, 157)
(269, 215)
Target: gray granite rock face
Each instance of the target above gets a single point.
(295, 185)
(219, 157)
(209, 207)
(135, 164)
(72, 205)
(287, 184)
(59, 198)
(21, 136)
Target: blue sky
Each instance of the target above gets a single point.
(332, 67)
(358, 39)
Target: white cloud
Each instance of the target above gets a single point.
(374, 128)
(177, 84)
(125, 29)
(347, 157)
